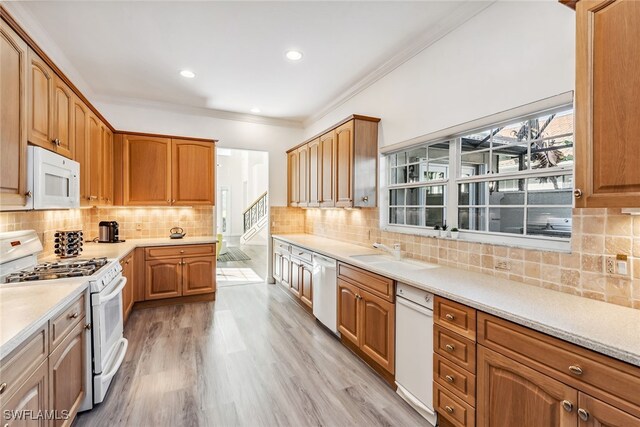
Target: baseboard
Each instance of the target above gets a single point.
(173, 301)
(388, 377)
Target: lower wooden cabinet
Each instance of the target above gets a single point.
(163, 278)
(596, 413)
(294, 283)
(198, 275)
(292, 268)
(31, 397)
(128, 271)
(306, 284)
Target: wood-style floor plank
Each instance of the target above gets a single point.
(253, 357)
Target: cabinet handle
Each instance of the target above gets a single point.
(583, 414)
(449, 347)
(126, 262)
(92, 197)
(74, 315)
(56, 142)
(28, 194)
(3, 387)
(567, 406)
(365, 199)
(173, 200)
(577, 193)
(182, 251)
(87, 326)
(449, 378)
(449, 409)
(575, 370)
(450, 316)
(169, 201)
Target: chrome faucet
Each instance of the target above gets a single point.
(395, 251)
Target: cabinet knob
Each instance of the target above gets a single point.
(575, 370)
(567, 406)
(74, 315)
(577, 193)
(87, 326)
(28, 194)
(3, 387)
(583, 414)
(449, 316)
(449, 409)
(365, 199)
(449, 347)
(449, 378)
(182, 251)
(173, 200)
(169, 201)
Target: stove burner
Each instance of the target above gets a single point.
(58, 270)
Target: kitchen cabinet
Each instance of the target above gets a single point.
(306, 284)
(128, 270)
(294, 283)
(293, 269)
(344, 170)
(607, 104)
(13, 120)
(95, 161)
(179, 271)
(33, 396)
(63, 99)
(159, 171)
(40, 105)
(107, 165)
(80, 136)
(366, 316)
(66, 374)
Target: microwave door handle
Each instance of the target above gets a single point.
(115, 293)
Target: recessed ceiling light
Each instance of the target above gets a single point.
(188, 74)
(294, 55)
(255, 110)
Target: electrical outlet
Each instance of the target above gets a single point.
(138, 227)
(502, 265)
(610, 266)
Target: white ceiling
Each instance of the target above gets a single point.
(135, 50)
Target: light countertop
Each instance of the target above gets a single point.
(606, 328)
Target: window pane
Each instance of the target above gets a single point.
(476, 141)
(399, 175)
(401, 158)
(414, 216)
(553, 222)
(506, 192)
(552, 153)
(434, 195)
(417, 155)
(510, 134)
(414, 173)
(439, 169)
(474, 163)
(396, 197)
(434, 216)
(506, 220)
(553, 125)
(396, 215)
(415, 196)
(550, 190)
(511, 159)
(472, 193)
(472, 219)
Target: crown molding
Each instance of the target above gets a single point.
(198, 111)
(459, 16)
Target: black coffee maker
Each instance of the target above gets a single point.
(108, 232)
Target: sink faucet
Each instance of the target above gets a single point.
(395, 251)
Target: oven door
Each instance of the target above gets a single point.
(56, 180)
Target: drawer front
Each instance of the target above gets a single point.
(455, 348)
(455, 410)
(302, 254)
(178, 251)
(21, 363)
(573, 365)
(455, 379)
(454, 316)
(62, 324)
(281, 246)
(378, 285)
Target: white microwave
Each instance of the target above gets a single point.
(53, 181)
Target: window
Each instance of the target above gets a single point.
(510, 179)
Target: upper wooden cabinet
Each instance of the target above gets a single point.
(13, 118)
(161, 171)
(80, 136)
(95, 160)
(63, 100)
(607, 103)
(337, 168)
(107, 196)
(40, 89)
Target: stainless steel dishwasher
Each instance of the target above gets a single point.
(325, 292)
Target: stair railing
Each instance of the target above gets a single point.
(255, 212)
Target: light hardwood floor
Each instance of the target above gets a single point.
(253, 357)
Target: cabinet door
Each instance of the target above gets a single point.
(198, 275)
(40, 90)
(286, 271)
(146, 170)
(315, 173)
(294, 184)
(600, 414)
(344, 165)
(163, 278)
(303, 176)
(95, 161)
(128, 271)
(80, 137)
(277, 266)
(63, 99)
(306, 284)
(512, 394)
(377, 336)
(107, 162)
(31, 397)
(348, 313)
(67, 374)
(327, 181)
(193, 172)
(13, 120)
(296, 277)
(607, 103)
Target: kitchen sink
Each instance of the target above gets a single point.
(373, 258)
(387, 262)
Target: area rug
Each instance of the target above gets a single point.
(233, 254)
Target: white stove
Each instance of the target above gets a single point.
(19, 266)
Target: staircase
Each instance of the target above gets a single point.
(255, 219)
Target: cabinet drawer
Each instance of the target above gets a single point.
(594, 373)
(62, 324)
(178, 251)
(281, 246)
(21, 363)
(379, 285)
(455, 379)
(455, 410)
(455, 348)
(456, 317)
(302, 254)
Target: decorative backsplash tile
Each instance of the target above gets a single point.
(286, 220)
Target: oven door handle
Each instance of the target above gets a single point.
(116, 364)
(102, 299)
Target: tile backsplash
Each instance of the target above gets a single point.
(598, 235)
(135, 223)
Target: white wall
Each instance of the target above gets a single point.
(511, 54)
(230, 133)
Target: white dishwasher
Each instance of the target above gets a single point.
(414, 349)
(325, 292)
